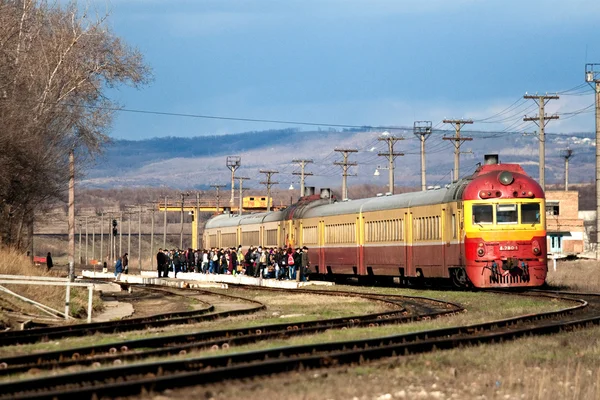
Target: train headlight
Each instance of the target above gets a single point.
(506, 178)
(535, 247)
(480, 250)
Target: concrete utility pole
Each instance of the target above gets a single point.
(302, 173)
(139, 240)
(457, 141)
(165, 227)
(233, 163)
(181, 232)
(93, 239)
(152, 237)
(568, 154)
(86, 240)
(129, 233)
(540, 121)
(120, 234)
(101, 237)
(592, 74)
(345, 164)
(71, 223)
(197, 221)
(80, 229)
(217, 187)
(269, 183)
(391, 156)
(241, 179)
(422, 130)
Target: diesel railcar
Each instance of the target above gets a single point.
(486, 230)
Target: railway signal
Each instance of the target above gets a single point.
(114, 229)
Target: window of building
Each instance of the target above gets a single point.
(552, 208)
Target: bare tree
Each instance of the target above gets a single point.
(56, 62)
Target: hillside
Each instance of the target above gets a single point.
(200, 161)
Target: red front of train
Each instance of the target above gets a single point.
(504, 228)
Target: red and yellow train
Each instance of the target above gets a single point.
(487, 230)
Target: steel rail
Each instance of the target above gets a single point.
(169, 345)
(199, 340)
(132, 379)
(125, 325)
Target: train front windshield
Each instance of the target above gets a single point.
(506, 214)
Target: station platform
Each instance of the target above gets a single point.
(197, 280)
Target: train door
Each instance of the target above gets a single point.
(461, 233)
(321, 235)
(444, 240)
(408, 228)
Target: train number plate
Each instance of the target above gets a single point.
(505, 248)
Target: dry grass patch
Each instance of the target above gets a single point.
(536, 368)
(579, 275)
(13, 262)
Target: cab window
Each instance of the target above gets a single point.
(530, 213)
(483, 214)
(507, 214)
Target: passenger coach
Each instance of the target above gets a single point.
(487, 230)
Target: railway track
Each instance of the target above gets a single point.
(181, 344)
(132, 324)
(157, 376)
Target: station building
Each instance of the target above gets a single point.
(566, 232)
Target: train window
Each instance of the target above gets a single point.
(530, 213)
(453, 226)
(507, 214)
(483, 214)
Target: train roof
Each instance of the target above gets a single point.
(225, 220)
(381, 203)
(322, 208)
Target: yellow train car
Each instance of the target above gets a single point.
(487, 230)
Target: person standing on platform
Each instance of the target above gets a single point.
(160, 262)
(305, 270)
(125, 264)
(49, 263)
(118, 268)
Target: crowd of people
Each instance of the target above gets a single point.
(273, 263)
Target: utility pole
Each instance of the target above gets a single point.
(86, 240)
(181, 232)
(165, 227)
(197, 221)
(242, 179)
(302, 173)
(217, 187)
(101, 236)
(457, 141)
(140, 240)
(94, 239)
(80, 229)
(71, 223)
(129, 233)
(391, 156)
(269, 183)
(121, 234)
(568, 154)
(540, 121)
(592, 74)
(233, 163)
(152, 237)
(422, 130)
(345, 164)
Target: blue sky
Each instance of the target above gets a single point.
(369, 62)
